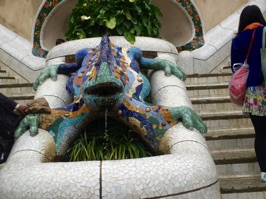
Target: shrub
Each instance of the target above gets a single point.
(128, 18)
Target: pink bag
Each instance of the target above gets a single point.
(238, 84)
(238, 81)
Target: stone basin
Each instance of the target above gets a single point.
(186, 170)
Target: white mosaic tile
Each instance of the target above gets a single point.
(55, 92)
(6, 35)
(184, 173)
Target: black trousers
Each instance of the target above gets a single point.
(8, 124)
(259, 123)
(7, 130)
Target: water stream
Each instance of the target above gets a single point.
(106, 136)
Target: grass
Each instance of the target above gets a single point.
(116, 142)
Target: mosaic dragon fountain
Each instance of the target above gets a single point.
(108, 77)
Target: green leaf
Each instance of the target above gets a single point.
(128, 15)
(129, 37)
(134, 21)
(127, 25)
(81, 34)
(138, 29)
(111, 23)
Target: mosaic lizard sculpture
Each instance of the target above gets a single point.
(109, 77)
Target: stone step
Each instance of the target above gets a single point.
(243, 184)
(207, 75)
(207, 90)
(206, 86)
(211, 78)
(234, 156)
(8, 79)
(213, 104)
(10, 72)
(16, 85)
(4, 73)
(229, 170)
(233, 162)
(209, 100)
(226, 69)
(225, 119)
(22, 97)
(230, 133)
(247, 195)
(222, 115)
(230, 138)
(10, 89)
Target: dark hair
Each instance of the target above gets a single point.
(249, 15)
(59, 41)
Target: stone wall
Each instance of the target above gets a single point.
(213, 12)
(19, 16)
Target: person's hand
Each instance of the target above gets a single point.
(22, 109)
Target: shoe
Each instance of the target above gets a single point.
(263, 177)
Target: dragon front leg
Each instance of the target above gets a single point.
(169, 68)
(64, 124)
(68, 126)
(152, 121)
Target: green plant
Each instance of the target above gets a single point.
(120, 143)
(128, 18)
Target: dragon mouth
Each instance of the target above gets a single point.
(106, 89)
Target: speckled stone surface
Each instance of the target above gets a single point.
(185, 171)
(55, 93)
(71, 47)
(16, 54)
(188, 170)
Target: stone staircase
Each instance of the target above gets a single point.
(230, 136)
(14, 86)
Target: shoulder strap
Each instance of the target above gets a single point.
(250, 45)
(263, 37)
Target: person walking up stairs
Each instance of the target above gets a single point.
(230, 136)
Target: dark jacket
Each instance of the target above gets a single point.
(239, 49)
(8, 119)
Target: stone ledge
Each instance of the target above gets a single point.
(15, 52)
